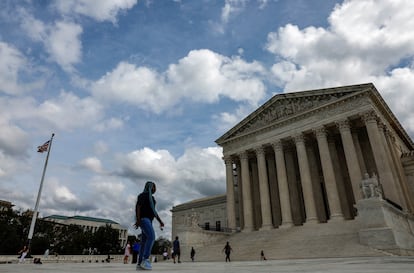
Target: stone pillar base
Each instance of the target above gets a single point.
(248, 229)
(266, 227)
(385, 227)
(337, 218)
(286, 225)
(312, 221)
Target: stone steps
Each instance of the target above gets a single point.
(333, 239)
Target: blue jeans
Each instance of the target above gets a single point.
(147, 239)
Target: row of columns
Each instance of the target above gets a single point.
(350, 145)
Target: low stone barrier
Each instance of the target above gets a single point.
(10, 259)
(65, 259)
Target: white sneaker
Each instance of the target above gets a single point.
(146, 265)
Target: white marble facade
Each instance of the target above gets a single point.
(301, 157)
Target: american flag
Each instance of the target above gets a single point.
(44, 147)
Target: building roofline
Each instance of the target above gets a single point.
(83, 218)
(201, 202)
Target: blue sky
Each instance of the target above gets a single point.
(140, 90)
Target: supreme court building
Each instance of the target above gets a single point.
(302, 157)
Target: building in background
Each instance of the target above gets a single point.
(206, 213)
(90, 224)
(313, 157)
(5, 205)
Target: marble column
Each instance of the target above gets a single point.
(346, 196)
(390, 161)
(329, 175)
(247, 194)
(400, 170)
(358, 149)
(295, 193)
(384, 171)
(283, 185)
(264, 190)
(239, 208)
(351, 158)
(231, 211)
(305, 176)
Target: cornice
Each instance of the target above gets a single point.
(364, 90)
(380, 103)
(325, 92)
(296, 117)
(199, 203)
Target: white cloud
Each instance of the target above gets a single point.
(148, 164)
(93, 164)
(13, 64)
(367, 41)
(232, 7)
(185, 173)
(196, 164)
(109, 124)
(103, 10)
(139, 86)
(64, 45)
(107, 188)
(201, 76)
(14, 140)
(60, 197)
(66, 112)
(10, 165)
(12, 61)
(226, 120)
(199, 172)
(60, 39)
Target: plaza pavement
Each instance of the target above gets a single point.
(390, 264)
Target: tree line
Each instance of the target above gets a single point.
(58, 238)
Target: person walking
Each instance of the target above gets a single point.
(227, 250)
(23, 253)
(262, 256)
(145, 213)
(135, 251)
(192, 254)
(127, 252)
(176, 249)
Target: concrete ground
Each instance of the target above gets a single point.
(394, 264)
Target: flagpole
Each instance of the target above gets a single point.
(32, 225)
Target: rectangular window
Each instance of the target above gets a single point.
(218, 226)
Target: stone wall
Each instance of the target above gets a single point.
(64, 258)
(385, 227)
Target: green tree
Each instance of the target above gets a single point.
(67, 241)
(58, 238)
(106, 240)
(9, 242)
(159, 245)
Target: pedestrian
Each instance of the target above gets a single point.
(176, 249)
(165, 254)
(192, 254)
(145, 213)
(127, 252)
(135, 251)
(46, 254)
(108, 258)
(227, 250)
(23, 253)
(262, 256)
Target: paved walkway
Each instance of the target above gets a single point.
(332, 265)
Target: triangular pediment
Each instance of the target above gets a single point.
(283, 106)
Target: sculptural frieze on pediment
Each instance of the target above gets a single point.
(284, 108)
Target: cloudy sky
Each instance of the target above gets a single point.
(140, 90)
